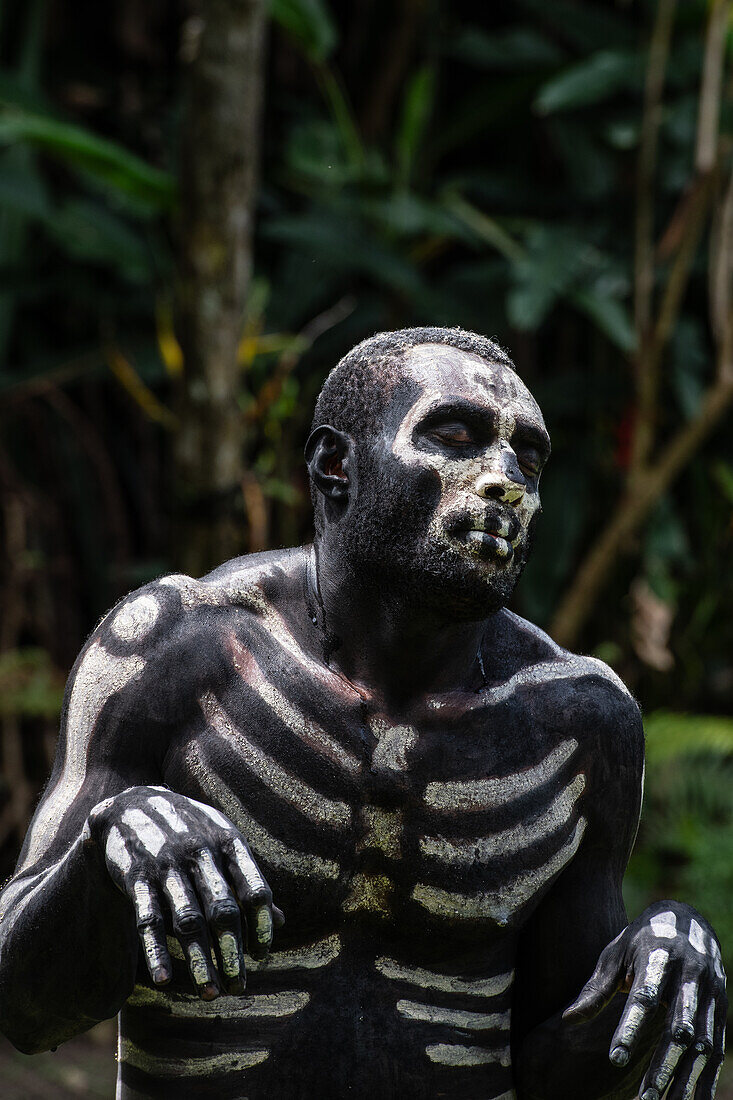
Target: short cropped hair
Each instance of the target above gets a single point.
(357, 392)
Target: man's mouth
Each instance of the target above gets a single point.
(490, 536)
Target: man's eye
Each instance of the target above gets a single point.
(455, 435)
(529, 463)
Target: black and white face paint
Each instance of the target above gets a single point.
(460, 479)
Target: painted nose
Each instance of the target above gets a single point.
(497, 486)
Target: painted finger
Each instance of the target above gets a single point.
(601, 986)
(708, 1080)
(641, 1004)
(255, 897)
(151, 930)
(671, 1049)
(189, 928)
(696, 1058)
(223, 919)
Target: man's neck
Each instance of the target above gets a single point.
(387, 648)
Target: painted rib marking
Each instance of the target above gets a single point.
(453, 1017)
(451, 1054)
(312, 957)
(157, 1066)
(283, 783)
(260, 1006)
(445, 983)
(517, 839)
(490, 793)
(500, 905)
(308, 731)
(265, 846)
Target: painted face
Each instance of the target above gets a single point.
(477, 429)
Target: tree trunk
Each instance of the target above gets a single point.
(223, 55)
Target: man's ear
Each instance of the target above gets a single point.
(328, 454)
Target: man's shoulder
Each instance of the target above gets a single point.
(169, 631)
(585, 691)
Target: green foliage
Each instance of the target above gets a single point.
(684, 843)
(30, 687)
(310, 23)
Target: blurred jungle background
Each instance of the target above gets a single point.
(202, 208)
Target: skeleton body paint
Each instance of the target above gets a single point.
(439, 799)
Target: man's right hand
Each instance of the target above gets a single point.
(183, 864)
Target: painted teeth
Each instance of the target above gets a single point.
(503, 546)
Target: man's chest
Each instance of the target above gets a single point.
(457, 817)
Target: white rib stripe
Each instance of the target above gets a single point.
(445, 983)
(453, 1017)
(491, 793)
(450, 1054)
(517, 839)
(312, 957)
(308, 731)
(287, 786)
(261, 1006)
(153, 1064)
(500, 905)
(263, 844)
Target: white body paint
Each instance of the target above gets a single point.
(313, 957)
(509, 841)
(697, 938)
(453, 1017)
(445, 983)
(260, 1006)
(664, 925)
(98, 678)
(169, 814)
(136, 619)
(267, 847)
(655, 969)
(197, 1067)
(393, 745)
(452, 1054)
(146, 831)
(281, 782)
(308, 731)
(499, 905)
(116, 851)
(486, 794)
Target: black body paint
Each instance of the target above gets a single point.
(358, 735)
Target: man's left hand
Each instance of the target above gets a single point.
(669, 955)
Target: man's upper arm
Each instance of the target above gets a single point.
(117, 713)
(584, 909)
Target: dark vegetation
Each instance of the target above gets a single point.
(556, 175)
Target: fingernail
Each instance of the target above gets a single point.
(161, 976)
(209, 992)
(650, 1094)
(620, 1056)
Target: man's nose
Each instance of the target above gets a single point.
(496, 485)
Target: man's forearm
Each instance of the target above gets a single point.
(68, 951)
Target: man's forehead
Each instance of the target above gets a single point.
(441, 368)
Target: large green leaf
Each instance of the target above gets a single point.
(416, 108)
(591, 81)
(310, 23)
(516, 48)
(101, 158)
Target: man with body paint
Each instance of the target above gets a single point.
(440, 799)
